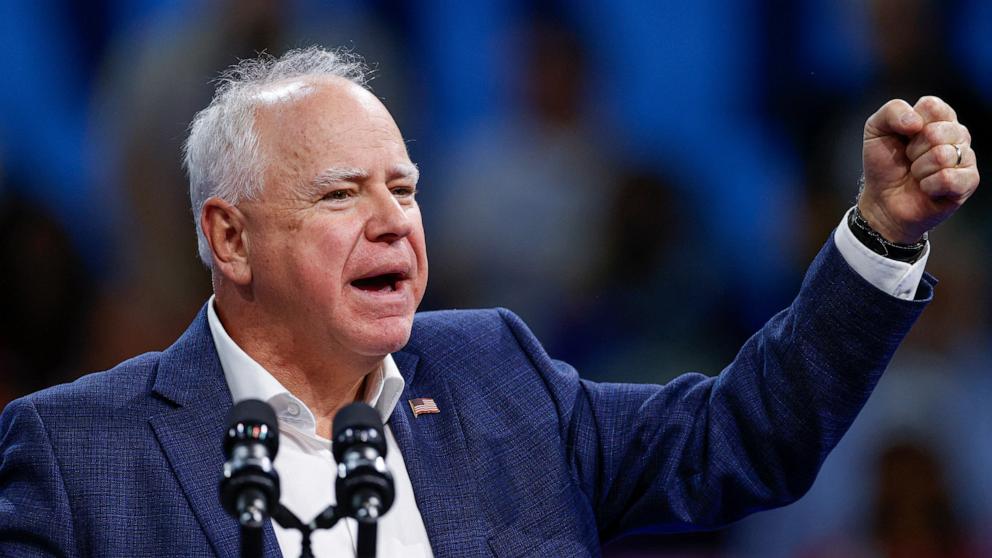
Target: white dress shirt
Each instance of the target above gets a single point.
(306, 466)
(899, 279)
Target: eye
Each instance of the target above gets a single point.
(337, 195)
(404, 191)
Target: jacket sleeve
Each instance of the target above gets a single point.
(702, 451)
(35, 519)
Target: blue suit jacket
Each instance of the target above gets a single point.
(524, 458)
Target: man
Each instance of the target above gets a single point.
(306, 211)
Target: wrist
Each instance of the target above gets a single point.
(879, 222)
(875, 241)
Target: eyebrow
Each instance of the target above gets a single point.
(335, 175)
(405, 170)
(340, 174)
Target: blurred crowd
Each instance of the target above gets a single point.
(643, 182)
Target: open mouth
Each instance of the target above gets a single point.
(386, 282)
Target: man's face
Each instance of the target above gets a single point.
(335, 240)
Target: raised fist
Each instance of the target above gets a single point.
(919, 168)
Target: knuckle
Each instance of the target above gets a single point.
(894, 108)
(896, 104)
(945, 155)
(945, 179)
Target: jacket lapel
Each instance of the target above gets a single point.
(436, 458)
(190, 376)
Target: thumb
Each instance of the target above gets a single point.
(896, 117)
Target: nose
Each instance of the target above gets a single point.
(388, 220)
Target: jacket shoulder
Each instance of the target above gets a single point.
(110, 389)
(468, 331)
(488, 347)
(457, 320)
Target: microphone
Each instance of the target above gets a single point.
(364, 486)
(249, 489)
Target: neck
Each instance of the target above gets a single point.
(325, 381)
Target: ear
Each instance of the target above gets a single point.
(224, 225)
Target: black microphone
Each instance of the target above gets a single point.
(364, 486)
(249, 490)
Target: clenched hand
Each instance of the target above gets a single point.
(914, 177)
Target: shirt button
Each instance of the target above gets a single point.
(293, 409)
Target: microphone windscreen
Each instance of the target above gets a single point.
(252, 420)
(358, 417)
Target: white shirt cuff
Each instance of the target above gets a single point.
(899, 279)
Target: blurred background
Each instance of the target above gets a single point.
(644, 182)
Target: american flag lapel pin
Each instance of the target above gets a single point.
(423, 406)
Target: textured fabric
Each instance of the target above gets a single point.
(525, 459)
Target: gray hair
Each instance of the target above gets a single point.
(222, 153)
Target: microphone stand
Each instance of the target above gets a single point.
(367, 529)
(251, 521)
(367, 516)
(288, 520)
(366, 539)
(251, 542)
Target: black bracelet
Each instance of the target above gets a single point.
(871, 238)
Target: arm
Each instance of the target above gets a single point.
(700, 452)
(704, 451)
(35, 519)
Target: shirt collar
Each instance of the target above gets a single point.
(247, 379)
